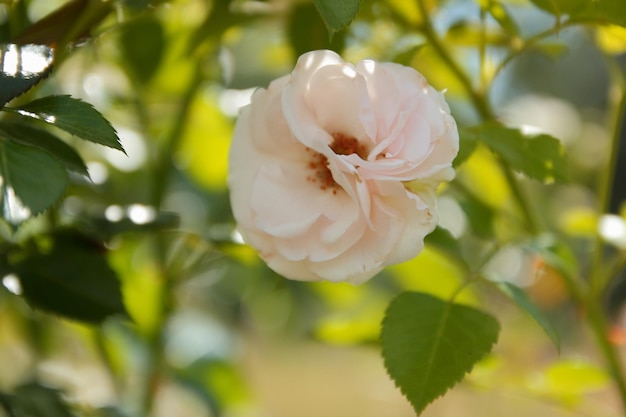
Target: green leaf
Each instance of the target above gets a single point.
(559, 7)
(68, 274)
(501, 15)
(142, 42)
(479, 215)
(75, 117)
(41, 139)
(73, 21)
(540, 157)
(468, 140)
(520, 298)
(443, 240)
(34, 400)
(22, 68)
(35, 177)
(337, 14)
(603, 11)
(307, 31)
(430, 344)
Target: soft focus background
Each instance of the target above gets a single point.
(216, 333)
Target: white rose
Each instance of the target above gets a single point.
(333, 168)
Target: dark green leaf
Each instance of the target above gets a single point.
(22, 68)
(72, 21)
(69, 275)
(142, 43)
(559, 7)
(34, 400)
(31, 136)
(430, 344)
(75, 117)
(467, 144)
(337, 14)
(35, 177)
(307, 31)
(521, 299)
(602, 11)
(479, 215)
(443, 240)
(538, 156)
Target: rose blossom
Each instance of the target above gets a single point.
(333, 168)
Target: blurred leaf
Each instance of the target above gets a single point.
(479, 215)
(34, 400)
(467, 144)
(443, 240)
(75, 117)
(470, 34)
(540, 157)
(307, 31)
(569, 379)
(406, 57)
(611, 39)
(71, 22)
(604, 11)
(68, 274)
(552, 49)
(520, 298)
(556, 254)
(559, 7)
(22, 68)
(31, 136)
(142, 42)
(501, 15)
(430, 344)
(205, 158)
(337, 14)
(35, 177)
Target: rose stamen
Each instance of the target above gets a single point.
(342, 145)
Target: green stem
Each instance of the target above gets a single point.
(484, 110)
(162, 170)
(599, 276)
(600, 328)
(479, 101)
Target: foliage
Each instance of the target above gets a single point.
(117, 233)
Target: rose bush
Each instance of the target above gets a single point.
(333, 168)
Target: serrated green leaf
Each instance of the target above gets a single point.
(35, 177)
(75, 117)
(430, 344)
(41, 139)
(142, 42)
(34, 400)
(337, 14)
(520, 298)
(69, 275)
(23, 66)
(307, 31)
(541, 157)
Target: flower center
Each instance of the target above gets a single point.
(342, 145)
